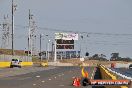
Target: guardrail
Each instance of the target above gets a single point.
(106, 74)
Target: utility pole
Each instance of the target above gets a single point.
(40, 47)
(32, 34)
(12, 27)
(13, 10)
(29, 35)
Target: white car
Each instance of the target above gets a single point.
(130, 66)
(15, 63)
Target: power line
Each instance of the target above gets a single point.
(88, 33)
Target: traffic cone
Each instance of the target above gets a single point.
(76, 82)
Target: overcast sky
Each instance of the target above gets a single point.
(97, 16)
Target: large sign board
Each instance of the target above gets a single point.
(65, 47)
(66, 36)
(60, 41)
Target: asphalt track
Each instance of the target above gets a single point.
(60, 77)
(124, 71)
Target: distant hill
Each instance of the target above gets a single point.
(9, 52)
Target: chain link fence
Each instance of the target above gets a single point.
(7, 58)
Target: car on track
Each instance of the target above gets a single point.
(15, 63)
(130, 66)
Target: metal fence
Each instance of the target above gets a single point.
(10, 57)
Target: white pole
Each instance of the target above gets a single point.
(55, 52)
(47, 46)
(48, 50)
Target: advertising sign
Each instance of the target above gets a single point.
(60, 41)
(66, 36)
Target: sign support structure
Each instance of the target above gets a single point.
(55, 56)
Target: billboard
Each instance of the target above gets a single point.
(65, 47)
(66, 36)
(60, 41)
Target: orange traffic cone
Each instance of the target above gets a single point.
(76, 82)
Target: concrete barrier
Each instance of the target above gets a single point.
(4, 64)
(122, 65)
(45, 64)
(7, 64)
(106, 74)
(26, 63)
(59, 64)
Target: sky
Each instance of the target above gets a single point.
(92, 16)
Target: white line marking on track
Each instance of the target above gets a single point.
(73, 77)
(34, 84)
(38, 76)
(49, 79)
(42, 81)
(61, 85)
(55, 77)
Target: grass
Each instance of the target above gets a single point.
(90, 62)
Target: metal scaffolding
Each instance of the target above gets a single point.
(6, 33)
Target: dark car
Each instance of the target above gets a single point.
(130, 66)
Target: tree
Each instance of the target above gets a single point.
(102, 56)
(95, 56)
(114, 56)
(87, 54)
